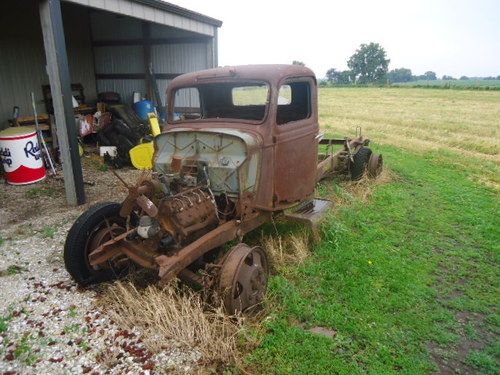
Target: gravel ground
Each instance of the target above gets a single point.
(47, 324)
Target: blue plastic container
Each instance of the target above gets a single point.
(144, 107)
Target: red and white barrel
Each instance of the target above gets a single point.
(21, 155)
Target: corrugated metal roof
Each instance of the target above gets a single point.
(172, 8)
(158, 12)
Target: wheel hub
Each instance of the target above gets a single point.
(375, 165)
(243, 278)
(102, 236)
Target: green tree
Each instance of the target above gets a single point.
(332, 75)
(346, 77)
(447, 78)
(400, 75)
(369, 64)
(296, 62)
(337, 77)
(430, 76)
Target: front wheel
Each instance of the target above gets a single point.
(243, 278)
(94, 227)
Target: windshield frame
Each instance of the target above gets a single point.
(236, 83)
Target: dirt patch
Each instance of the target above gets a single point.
(453, 360)
(323, 331)
(29, 208)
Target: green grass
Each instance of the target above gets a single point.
(72, 328)
(384, 275)
(48, 232)
(408, 280)
(4, 323)
(73, 312)
(454, 83)
(24, 351)
(12, 270)
(45, 191)
(486, 361)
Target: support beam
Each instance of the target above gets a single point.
(136, 76)
(140, 42)
(215, 47)
(60, 87)
(146, 49)
(210, 54)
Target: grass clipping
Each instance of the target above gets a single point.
(168, 314)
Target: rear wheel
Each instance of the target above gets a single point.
(360, 162)
(375, 165)
(94, 227)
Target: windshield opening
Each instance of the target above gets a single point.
(228, 100)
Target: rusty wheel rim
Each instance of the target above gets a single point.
(106, 231)
(375, 165)
(243, 279)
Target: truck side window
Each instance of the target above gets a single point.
(187, 104)
(294, 102)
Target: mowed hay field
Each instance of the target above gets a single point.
(405, 278)
(463, 125)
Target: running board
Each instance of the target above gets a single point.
(310, 213)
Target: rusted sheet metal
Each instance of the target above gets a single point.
(103, 252)
(272, 73)
(288, 152)
(171, 265)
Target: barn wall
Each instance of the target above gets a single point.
(22, 56)
(119, 60)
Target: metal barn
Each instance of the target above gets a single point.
(104, 45)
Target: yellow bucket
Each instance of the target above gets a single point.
(142, 155)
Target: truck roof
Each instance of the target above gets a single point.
(272, 73)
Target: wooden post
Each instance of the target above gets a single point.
(60, 87)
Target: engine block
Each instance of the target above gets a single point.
(187, 212)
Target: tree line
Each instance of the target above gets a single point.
(369, 65)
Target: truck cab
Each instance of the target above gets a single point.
(253, 129)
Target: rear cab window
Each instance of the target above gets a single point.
(247, 101)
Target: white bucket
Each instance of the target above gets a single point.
(111, 150)
(21, 155)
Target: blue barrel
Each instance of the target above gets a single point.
(144, 107)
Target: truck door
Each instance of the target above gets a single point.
(296, 143)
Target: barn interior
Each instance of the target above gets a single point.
(89, 74)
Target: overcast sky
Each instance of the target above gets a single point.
(453, 37)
